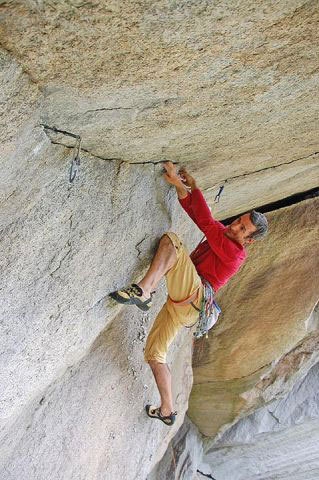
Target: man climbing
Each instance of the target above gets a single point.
(210, 265)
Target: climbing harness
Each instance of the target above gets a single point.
(209, 310)
(186, 301)
(208, 313)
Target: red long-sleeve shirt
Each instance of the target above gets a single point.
(218, 258)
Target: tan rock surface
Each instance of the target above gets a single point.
(226, 88)
(265, 308)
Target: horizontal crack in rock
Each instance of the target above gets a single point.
(276, 205)
(114, 159)
(90, 153)
(205, 382)
(107, 110)
(151, 162)
(261, 170)
(54, 129)
(208, 475)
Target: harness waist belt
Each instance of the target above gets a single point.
(187, 300)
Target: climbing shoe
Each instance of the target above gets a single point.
(155, 412)
(132, 295)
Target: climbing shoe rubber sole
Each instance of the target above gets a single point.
(129, 296)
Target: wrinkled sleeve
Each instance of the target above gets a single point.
(196, 207)
(186, 203)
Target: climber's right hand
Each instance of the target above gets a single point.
(171, 175)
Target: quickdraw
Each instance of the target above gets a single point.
(220, 191)
(75, 163)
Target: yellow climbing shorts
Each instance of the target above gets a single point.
(182, 281)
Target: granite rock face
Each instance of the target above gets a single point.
(72, 362)
(227, 89)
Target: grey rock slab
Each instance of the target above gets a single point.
(183, 455)
(64, 248)
(283, 455)
(298, 406)
(91, 422)
(285, 426)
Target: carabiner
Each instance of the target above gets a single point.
(75, 163)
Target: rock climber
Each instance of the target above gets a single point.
(213, 262)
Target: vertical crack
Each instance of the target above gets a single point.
(68, 245)
(138, 244)
(274, 416)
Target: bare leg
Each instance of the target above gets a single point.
(164, 259)
(163, 380)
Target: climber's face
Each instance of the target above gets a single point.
(241, 229)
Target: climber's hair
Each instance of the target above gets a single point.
(260, 221)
